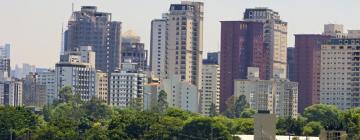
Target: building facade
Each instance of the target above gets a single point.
(132, 49)
(290, 63)
(34, 94)
(158, 47)
(181, 94)
(76, 69)
(101, 86)
(241, 47)
(307, 68)
(210, 95)
(88, 27)
(151, 93)
(48, 79)
(11, 93)
(275, 37)
(212, 58)
(339, 73)
(279, 96)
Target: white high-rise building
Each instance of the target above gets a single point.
(275, 38)
(125, 87)
(339, 73)
(210, 88)
(181, 94)
(11, 93)
(48, 79)
(158, 47)
(74, 70)
(279, 96)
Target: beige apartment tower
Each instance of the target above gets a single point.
(185, 41)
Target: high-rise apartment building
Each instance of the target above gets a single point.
(290, 70)
(185, 41)
(21, 72)
(125, 87)
(158, 47)
(242, 46)
(132, 49)
(34, 94)
(275, 37)
(307, 68)
(210, 94)
(339, 73)
(88, 27)
(279, 96)
(48, 79)
(77, 70)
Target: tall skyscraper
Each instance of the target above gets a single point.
(241, 47)
(158, 47)
(307, 67)
(339, 73)
(132, 49)
(185, 41)
(89, 27)
(275, 37)
(290, 63)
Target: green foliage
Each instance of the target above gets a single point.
(204, 128)
(234, 108)
(247, 113)
(16, 121)
(289, 125)
(162, 103)
(313, 129)
(328, 115)
(213, 112)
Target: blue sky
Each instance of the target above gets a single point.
(34, 27)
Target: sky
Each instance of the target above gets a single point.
(33, 27)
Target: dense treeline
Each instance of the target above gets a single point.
(71, 118)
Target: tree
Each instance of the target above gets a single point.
(17, 122)
(234, 108)
(352, 123)
(136, 104)
(204, 128)
(247, 113)
(162, 103)
(328, 115)
(289, 125)
(312, 129)
(213, 111)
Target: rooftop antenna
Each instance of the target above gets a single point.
(72, 7)
(62, 40)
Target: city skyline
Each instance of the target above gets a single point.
(40, 28)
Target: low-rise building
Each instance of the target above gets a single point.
(181, 94)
